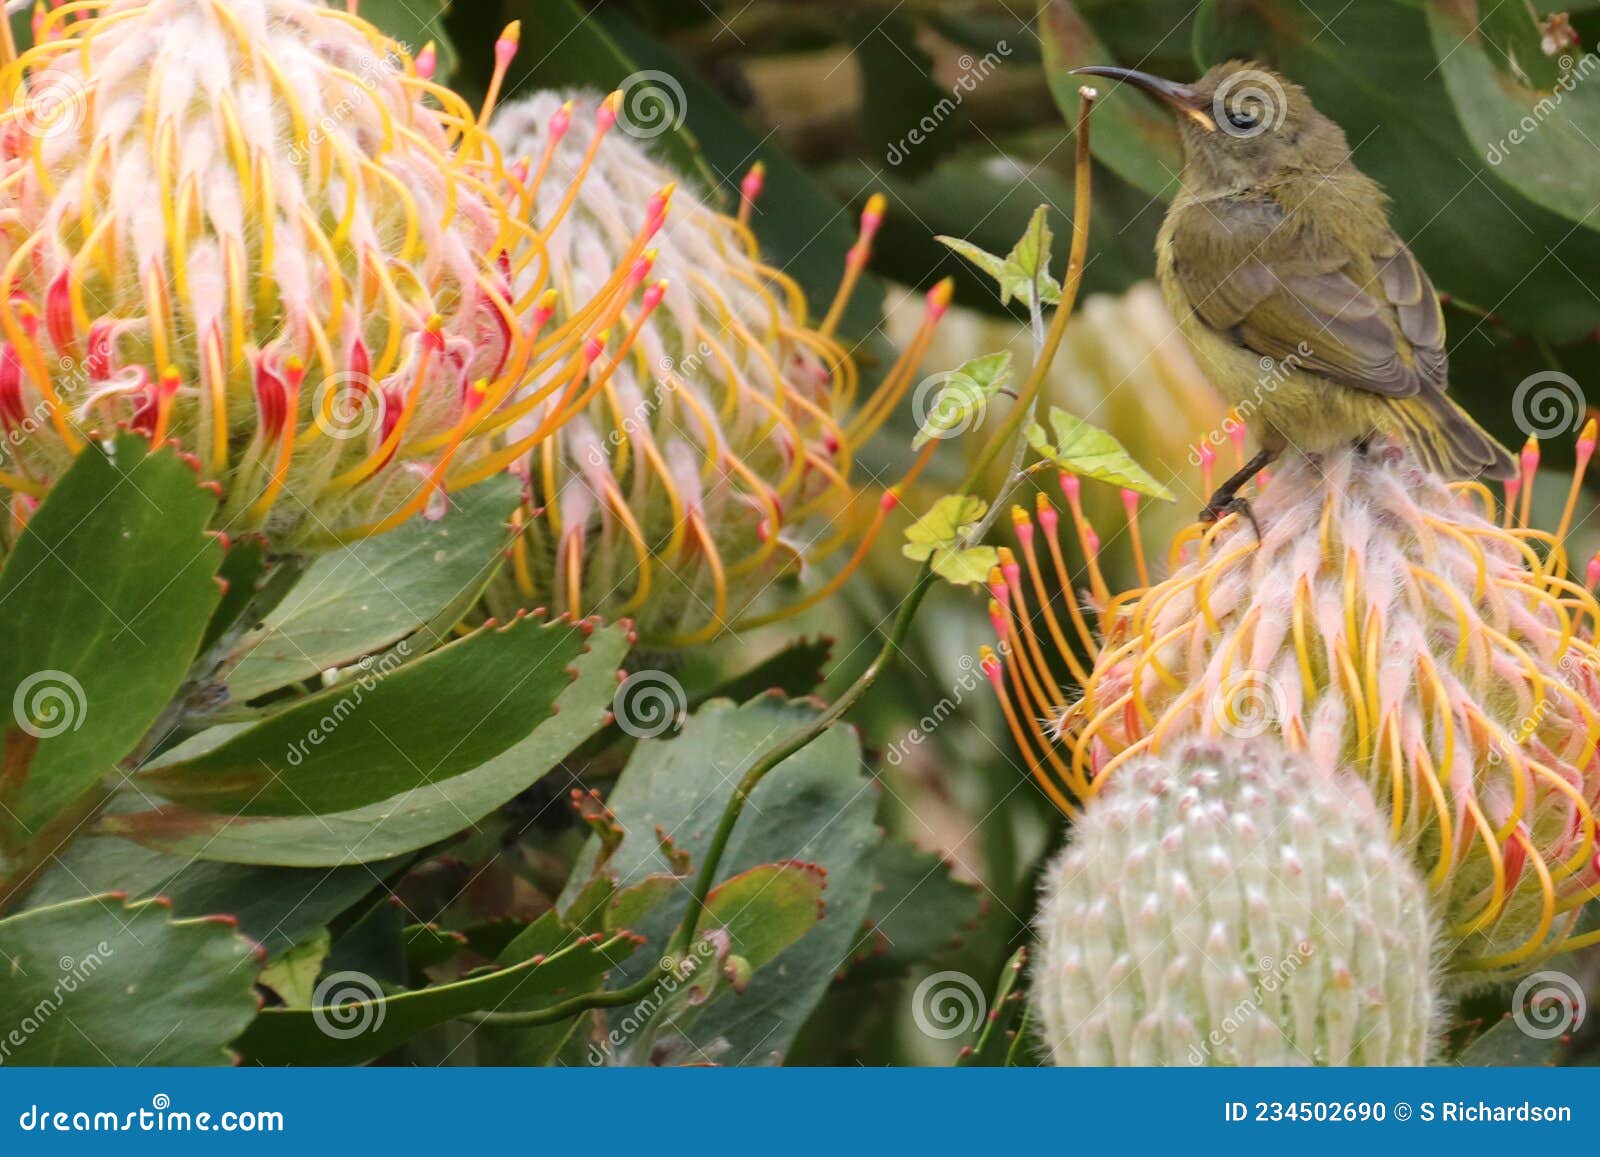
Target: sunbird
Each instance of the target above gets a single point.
(1301, 305)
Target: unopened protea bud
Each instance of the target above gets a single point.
(1227, 903)
(1384, 622)
(257, 228)
(706, 438)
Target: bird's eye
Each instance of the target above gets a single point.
(1243, 118)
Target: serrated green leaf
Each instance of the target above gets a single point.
(963, 397)
(104, 600)
(372, 594)
(813, 806)
(767, 908)
(378, 735)
(374, 1022)
(939, 534)
(411, 819)
(917, 911)
(1017, 272)
(1080, 448)
(999, 1030)
(100, 982)
(1028, 264)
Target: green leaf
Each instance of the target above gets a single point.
(998, 1031)
(917, 912)
(906, 116)
(103, 603)
(767, 908)
(1535, 124)
(413, 23)
(276, 907)
(427, 945)
(814, 806)
(243, 569)
(963, 397)
(939, 534)
(356, 1021)
(1079, 448)
(1135, 137)
(293, 975)
(436, 809)
(1028, 264)
(1507, 1044)
(371, 595)
(376, 735)
(795, 670)
(98, 982)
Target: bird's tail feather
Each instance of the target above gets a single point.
(1449, 442)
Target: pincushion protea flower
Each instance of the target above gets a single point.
(1384, 622)
(706, 443)
(259, 228)
(1227, 903)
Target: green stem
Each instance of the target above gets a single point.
(798, 741)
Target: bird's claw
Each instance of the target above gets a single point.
(1223, 505)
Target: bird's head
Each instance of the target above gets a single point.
(1243, 124)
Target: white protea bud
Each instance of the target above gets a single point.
(1226, 903)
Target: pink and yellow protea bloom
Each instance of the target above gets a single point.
(1415, 632)
(704, 448)
(259, 228)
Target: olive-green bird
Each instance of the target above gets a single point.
(1301, 305)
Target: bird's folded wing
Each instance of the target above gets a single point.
(1385, 336)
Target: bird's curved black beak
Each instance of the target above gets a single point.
(1181, 98)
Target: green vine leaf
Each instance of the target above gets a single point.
(941, 534)
(1027, 265)
(962, 398)
(1086, 450)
